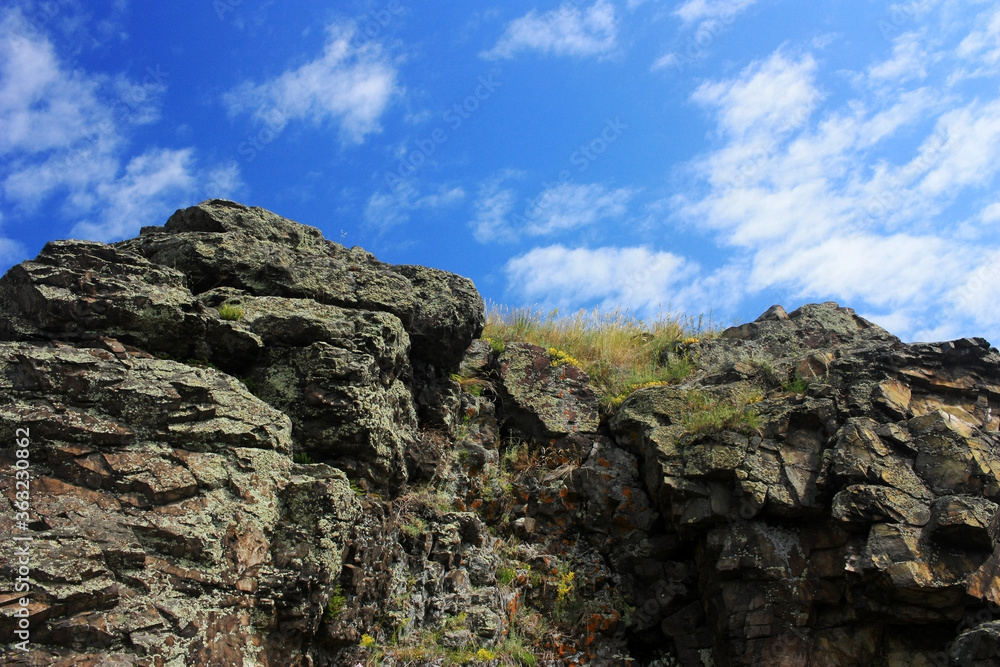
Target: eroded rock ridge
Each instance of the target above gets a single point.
(253, 446)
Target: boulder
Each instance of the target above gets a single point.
(543, 397)
(220, 243)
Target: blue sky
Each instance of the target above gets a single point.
(701, 156)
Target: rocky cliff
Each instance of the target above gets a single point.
(249, 445)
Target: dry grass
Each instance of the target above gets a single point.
(616, 349)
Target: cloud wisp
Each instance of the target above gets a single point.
(564, 31)
(348, 86)
(808, 191)
(65, 137)
(501, 215)
(882, 197)
(555, 276)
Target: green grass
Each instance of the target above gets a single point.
(796, 386)
(708, 414)
(505, 575)
(415, 527)
(303, 458)
(232, 313)
(335, 605)
(618, 351)
(472, 385)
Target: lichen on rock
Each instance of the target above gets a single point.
(253, 446)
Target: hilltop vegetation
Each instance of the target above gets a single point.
(619, 351)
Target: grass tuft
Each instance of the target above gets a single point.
(619, 351)
(708, 414)
(232, 313)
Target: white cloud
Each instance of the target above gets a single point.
(493, 209)
(878, 270)
(703, 22)
(773, 96)
(348, 85)
(10, 250)
(697, 10)
(42, 106)
(386, 210)
(909, 61)
(569, 205)
(665, 61)
(991, 213)
(967, 145)
(150, 184)
(500, 217)
(65, 133)
(565, 31)
(610, 277)
(978, 291)
(981, 47)
(820, 200)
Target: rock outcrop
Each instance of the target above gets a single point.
(248, 445)
(852, 523)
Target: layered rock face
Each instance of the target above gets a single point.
(252, 446)
(858, 521)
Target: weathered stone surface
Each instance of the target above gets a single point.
(544, 398)
(81, 291)
(843, 511)
(868, 499)
(164, 509)
(979, 647)
(339, 374)
(221, 243)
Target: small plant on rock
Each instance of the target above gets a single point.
(472, 385)
(335, 605)
(415, 527)
(483, 655)
(560, 358)
(709, 414)
(230, 312)
(496, 344)
(505, 575)
(796, 386)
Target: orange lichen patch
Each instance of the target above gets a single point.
(603, 462)
(514, 605)
(602, 622)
